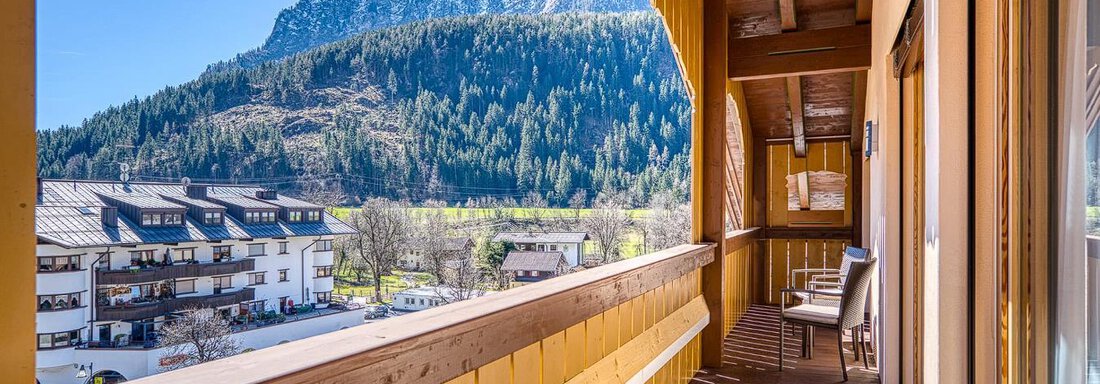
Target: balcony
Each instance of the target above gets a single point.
(175, 271)
(158, 308)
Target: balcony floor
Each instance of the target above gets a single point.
(752, 355)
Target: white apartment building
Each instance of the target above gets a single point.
(570, 244)
(118, 260)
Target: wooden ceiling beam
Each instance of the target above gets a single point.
(798, 127)
(787, 20)
(859, 101)
(863, 11)
(802, 53)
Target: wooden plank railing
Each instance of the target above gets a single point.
(633, 320)
(738, 276)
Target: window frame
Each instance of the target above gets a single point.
(176, 286)
(284, 275)
(322, 271)
(283, 246)
(73, 335)
(263, 250)
(327, 247)
(190, 250)
(70, 266)
(213, 217)
(68, 301)
(327, 297)
(257, 278)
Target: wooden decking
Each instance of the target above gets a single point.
(752, 355)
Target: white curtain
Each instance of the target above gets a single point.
(1070, 346)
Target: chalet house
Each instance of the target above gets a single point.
(455, 248)
(529, 267)
(570, 244)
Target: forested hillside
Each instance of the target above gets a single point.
(441, 109)
(311, 23)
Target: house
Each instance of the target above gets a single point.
(570, 244)
(527, 266)
(117, 261)
(425, 297)
(453, 248)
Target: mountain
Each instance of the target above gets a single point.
(312, 23)
(454, 109)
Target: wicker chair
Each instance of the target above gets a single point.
(827, 279)
(848, 315)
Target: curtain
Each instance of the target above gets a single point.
(1070, 345)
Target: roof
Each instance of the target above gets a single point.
(533, 261)
(68, 214)
(442, 292)
(242, 201)
(142, 201)
(542, 237)
(192, 201)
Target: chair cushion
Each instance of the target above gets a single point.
(813, 312)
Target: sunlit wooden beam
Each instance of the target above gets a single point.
(802, 53)
(787, 20)
(794, 102)
(803, 190)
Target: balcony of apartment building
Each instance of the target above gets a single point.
(159, 299)
(161, 270)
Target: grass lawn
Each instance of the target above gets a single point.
(397, 282)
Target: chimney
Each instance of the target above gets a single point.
(196, 191)
(267, 194)
(109, 216)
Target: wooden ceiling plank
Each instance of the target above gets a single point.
(802, 53)
(794, 102)
(787, 20)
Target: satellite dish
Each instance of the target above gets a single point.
(123, 167)
(186, 181)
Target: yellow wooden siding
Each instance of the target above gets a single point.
(737, 278)
(574, 353)
(820, 156)
(783, 255)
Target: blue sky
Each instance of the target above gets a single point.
(96, 53)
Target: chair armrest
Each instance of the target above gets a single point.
(815, 270)
(825, 284)
(810, 291)
(827, 277)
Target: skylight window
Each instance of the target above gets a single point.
(86, 210)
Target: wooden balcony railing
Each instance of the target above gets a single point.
(176, 271)
(633, 320)
(159, 308)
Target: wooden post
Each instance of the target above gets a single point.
(760, 218)
(17, 278)
(713, 182)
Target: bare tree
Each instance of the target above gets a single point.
(461, 280)
(200, 335)
(577, 203)
(536, 207)
(315, 191)
(607, 224)
(431, 231)
(668, 224)
(381, 234)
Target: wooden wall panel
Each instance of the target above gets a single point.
(821, 156)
